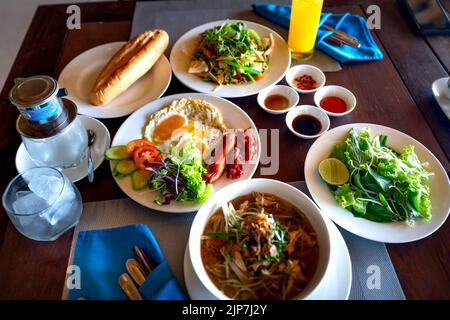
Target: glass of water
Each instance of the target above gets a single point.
(63, 150)
(42, 203)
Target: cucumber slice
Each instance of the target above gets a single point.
(117, 153)
(139, 179)
(115, 173)
(125, 167)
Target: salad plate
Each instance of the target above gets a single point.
(390, 232)
(183, 50)
(80, 74)
(134, 126)
(335, 286)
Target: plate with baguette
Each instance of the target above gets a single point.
(230, 58)
(115, 79)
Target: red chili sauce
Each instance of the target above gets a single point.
(333, 104)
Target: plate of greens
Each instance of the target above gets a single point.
(378, 183)
(230, 58)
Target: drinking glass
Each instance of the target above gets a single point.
(305, 18)
(42, 203)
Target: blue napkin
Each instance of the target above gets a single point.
(101, 256)
(351, 24)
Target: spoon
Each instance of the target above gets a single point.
(90, 165)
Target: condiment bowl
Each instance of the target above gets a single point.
(284, 91)
(313, 111)
(279, 189)
(336, 91)
(305, 69)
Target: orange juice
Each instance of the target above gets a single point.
(305, 17)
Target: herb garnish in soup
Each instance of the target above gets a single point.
(259, 246)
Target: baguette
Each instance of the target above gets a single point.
(132, 61)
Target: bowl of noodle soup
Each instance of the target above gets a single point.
(259, 239)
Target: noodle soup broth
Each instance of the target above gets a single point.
(259, 246)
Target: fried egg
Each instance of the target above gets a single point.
(183, 120)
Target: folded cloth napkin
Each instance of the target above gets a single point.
(351, 24)
(101, 256)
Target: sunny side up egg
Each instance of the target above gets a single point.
(183, 120)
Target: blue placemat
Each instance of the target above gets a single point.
(351, 24)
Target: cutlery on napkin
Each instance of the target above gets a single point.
(138, 269)
(105, 259)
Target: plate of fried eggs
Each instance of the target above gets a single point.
(171, 121)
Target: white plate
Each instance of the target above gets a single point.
(132, 128)
(439, 88)
(335, 286)
(394, 232)
(101, 143)
(80, 74)
(182, 51)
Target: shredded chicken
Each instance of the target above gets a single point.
(238, 258)
(295, 273)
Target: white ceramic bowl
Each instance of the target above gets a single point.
(336, 91)
(313, 111)
(306, 69)
(285, 91)
(447, 91)
(280, 189)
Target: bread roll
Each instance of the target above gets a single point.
(132, 61)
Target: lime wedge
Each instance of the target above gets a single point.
(333, 171)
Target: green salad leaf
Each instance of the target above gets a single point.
(384, 185)
(180, 176)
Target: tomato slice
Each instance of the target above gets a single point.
(258, 77)
(137, 143)
(146, 156)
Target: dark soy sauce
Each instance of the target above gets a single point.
(307, 125)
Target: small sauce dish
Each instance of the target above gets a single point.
(301, 75)
(278, 99)
(336, 101)
(307, 122)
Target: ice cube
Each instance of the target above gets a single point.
(46, 187)
(20, 194)
(62, 208)
(60, 214)
(29, 203)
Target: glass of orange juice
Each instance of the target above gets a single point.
(305, 17)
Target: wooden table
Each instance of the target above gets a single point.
(395, 92)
